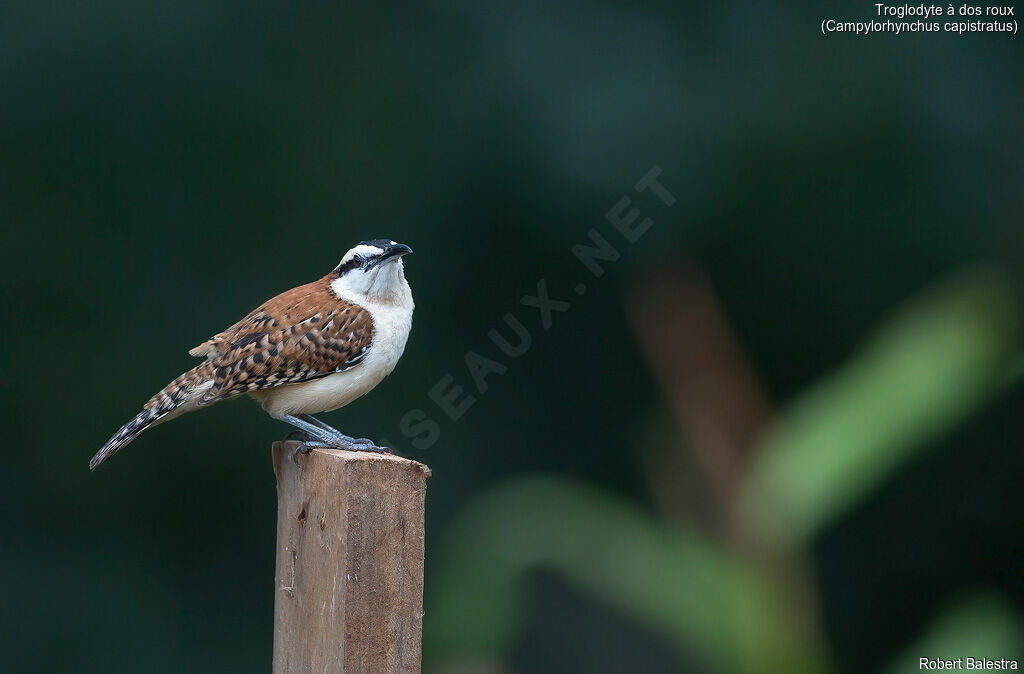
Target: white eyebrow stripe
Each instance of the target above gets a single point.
(361, 249)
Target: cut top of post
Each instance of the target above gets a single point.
(283, 451)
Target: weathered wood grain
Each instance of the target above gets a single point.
(349, 581)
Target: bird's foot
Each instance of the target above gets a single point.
(361, 445)
(350, 444)
(356, 444)
(297, 434)
(308, 446)
(367, 445)
(315, 431)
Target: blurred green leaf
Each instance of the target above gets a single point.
(981, 626)
(938, 360)
(673, 581)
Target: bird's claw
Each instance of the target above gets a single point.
(354, 445)
(305, 448)
(368, 445)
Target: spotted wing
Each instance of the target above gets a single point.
(303, 334)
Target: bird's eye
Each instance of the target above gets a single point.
(358, 262)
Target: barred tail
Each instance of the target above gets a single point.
(166, 404)
(142, 420)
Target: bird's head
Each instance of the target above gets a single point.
(372, 269)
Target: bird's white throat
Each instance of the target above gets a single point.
(384, 284)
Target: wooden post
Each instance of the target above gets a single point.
(349, 581)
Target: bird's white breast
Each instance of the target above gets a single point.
(392, 321)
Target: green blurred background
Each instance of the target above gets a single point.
(782, 433)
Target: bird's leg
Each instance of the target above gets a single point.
(323, 435)
(324, 428)
(370, 446)
(313, 433)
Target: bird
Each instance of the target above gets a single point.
(314, 348)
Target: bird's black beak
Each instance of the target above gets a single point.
(396, 250)
(391, 252)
